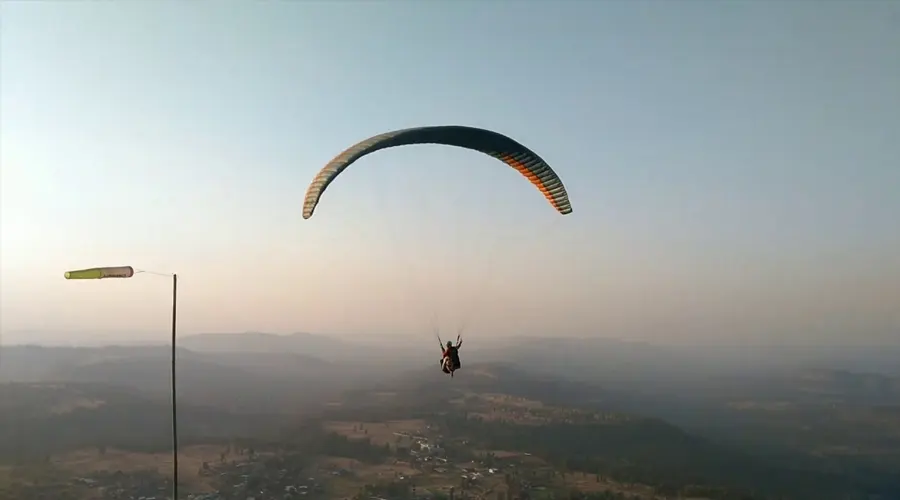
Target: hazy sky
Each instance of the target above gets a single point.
(734, 168)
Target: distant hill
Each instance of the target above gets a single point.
(37, 420)
(849, 387)
(203, 382)
(615, 359)
(587, 358)
(694, 401)
(691, 385)
(256, 342)
(429, 386)
(258, 382)
(30, 363)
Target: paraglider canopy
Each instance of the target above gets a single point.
(491, 143)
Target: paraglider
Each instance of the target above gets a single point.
(491, 143)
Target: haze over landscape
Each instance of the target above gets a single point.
(719, 317)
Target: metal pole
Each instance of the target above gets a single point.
(174, 398)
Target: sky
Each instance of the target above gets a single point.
(734, 169)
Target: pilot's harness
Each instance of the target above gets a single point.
(441, 342)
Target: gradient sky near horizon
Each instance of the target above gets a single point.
(734, 169)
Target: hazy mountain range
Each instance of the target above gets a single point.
(249, 370)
